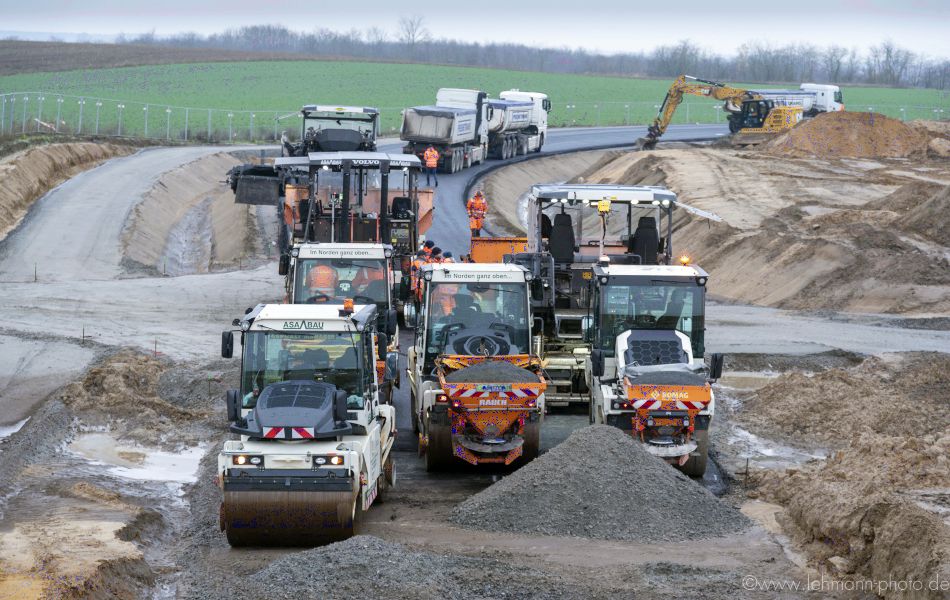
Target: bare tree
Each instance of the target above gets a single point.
(832, 61)
(412, 32)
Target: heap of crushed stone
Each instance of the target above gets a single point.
(850, 134)
(492, 371)
(600, 483)
(368, 567)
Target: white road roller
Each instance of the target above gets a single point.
(315, 442)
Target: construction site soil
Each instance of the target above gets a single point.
(30, 173)
(574, 491)
(797, 230)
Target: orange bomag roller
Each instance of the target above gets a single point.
(494, 408)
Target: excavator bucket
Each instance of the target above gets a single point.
(645, 143)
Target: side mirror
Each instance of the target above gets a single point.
(409, 314)
(597, 363)
(233, 401)
(283, 265)
(382, 344)
(227, 344)
(715, 365)
(339, 406)
(392, 367)
(537, 289)
(392, 322)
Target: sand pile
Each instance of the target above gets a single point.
(850, 134)
(600, 483)
(874, 511)
(492, 371)
(123, 392)
(27, 175)
(368, 567)
(902, 395)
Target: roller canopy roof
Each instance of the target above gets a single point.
(366, 160)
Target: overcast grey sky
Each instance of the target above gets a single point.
(603, 25)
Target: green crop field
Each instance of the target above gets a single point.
(242, 100)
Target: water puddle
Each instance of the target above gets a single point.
(766, 453)
(8, 430)
(136, 462)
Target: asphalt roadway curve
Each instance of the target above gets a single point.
(450, 229)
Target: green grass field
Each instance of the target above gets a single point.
(269, 89)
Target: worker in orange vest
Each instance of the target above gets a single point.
(431, 158)
(427, 248)
(322, 281)
(435, 256)
(477, 207)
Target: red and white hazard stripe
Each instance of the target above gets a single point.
(301, 433)
(274, 432)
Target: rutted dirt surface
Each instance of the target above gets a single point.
(189, 223)
(28, 174)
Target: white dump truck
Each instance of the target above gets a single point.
(315, 447)
(466, 127)
(813, 98)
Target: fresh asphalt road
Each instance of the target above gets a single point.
(450, 228)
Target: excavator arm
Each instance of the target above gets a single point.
(684, 84)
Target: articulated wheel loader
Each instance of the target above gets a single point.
(315, 447)
(477, 390)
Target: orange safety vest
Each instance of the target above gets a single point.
(431, 157)
(477, 207)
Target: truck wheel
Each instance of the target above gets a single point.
(590, 411)
(388, 474)
(532, 443)
(540, 143)
(415, 413)
(696, 465)
(439, 451)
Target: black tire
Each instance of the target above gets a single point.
(415, 413)
(532, 442)
(439, 451)
(696, 465)
(590, 411)
(540, 143)
(383, 482)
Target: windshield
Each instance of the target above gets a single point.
(838, 98)
(584, 220)
(477, 318)
(333, 357)
(317, 121)
(651, 304)
(332, 280)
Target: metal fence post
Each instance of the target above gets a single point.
(98, 107)
(168, 123)
(186, 124)
(39, 113)
(82, 104)
(3, 114)
(59, 113)
(146, 121)
(26, 103)
(209, 125)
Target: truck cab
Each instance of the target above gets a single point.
(314, 439)
(469, 313)
(538, 122)
(646, 371)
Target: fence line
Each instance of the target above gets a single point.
(45, 112)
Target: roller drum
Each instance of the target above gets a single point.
(291, 518)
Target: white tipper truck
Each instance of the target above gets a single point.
(466, 127)
(814, 98)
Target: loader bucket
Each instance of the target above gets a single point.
(258, 190)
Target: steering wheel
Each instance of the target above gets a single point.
(486, 341)
(367, 298)
(317, 297)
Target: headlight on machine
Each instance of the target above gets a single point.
(330, 460)
(243, 460)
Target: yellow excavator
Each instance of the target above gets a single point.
(752, 116)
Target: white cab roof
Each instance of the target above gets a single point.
(655, 270)
(472, 272)
(304, 317)
(595, 192)
(340, 250)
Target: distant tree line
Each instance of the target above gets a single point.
(882, 64)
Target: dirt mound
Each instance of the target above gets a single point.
(368, 567)
(931, 217)
(27, 175)
(873, 511)
(492, 371)
(600, 483)
(123, 392)
(904, 395)
(849, 134)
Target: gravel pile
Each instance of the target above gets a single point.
(492, 371)
(368, 567)
(600, 483)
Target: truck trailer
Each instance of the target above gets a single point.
(466, 126)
